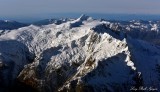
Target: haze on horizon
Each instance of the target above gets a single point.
(42, 8)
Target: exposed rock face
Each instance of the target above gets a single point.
(83, 55)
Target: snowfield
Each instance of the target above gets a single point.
(81, 55)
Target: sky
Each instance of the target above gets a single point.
(45, 8)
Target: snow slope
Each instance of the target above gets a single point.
(79, 55)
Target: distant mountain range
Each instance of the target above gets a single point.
(50, 21)
(9, 25)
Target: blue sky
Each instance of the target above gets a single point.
(30, 8)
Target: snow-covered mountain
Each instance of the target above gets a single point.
(81, 55)
(139, 29)
(51, 21)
